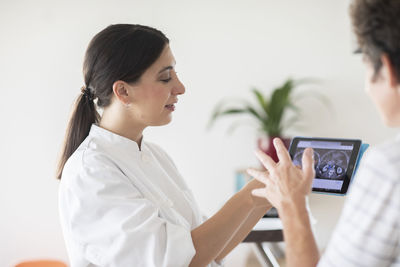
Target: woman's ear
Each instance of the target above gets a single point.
(120, 89)
(388, 71)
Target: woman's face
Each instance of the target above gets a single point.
(153, 97)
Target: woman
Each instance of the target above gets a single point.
(122, 200)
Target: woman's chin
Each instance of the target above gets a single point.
(162, 122)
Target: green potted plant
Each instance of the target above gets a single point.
(269, 112)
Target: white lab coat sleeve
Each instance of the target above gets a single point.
(116, 226)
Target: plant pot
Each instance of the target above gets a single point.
(265, 144)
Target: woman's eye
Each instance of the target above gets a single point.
(165, 80)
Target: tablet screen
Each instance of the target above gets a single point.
(334, 161)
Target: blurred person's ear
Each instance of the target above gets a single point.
(388, 72)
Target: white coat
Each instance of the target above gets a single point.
(121, 206)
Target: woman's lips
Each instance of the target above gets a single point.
(170, 107)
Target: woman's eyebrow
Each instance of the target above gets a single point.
(166, 68)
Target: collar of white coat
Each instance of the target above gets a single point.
(113, 138)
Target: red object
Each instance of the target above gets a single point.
(265, 144)
(41, 263)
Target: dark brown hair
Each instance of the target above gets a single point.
(376, 24)
(119, 52)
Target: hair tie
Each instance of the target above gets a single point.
(87, 93)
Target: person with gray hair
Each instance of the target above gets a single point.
(368, 232)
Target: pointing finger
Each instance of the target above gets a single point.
(266, 160)
(308, 163)
(281, 151)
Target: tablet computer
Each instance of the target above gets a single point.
(335, 161)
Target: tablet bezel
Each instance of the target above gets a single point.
(351, 166)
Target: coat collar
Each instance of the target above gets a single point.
(116, 139)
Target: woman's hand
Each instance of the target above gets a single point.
(257, 201)
(285, 183)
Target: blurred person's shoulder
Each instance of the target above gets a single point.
(390, 150)
(386, 158)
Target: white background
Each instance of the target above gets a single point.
(222, 48)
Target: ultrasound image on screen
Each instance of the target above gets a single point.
(329, 163)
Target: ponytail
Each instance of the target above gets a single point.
(83, 116)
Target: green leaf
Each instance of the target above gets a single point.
(260, 98)
(279, 102)
(229, 112)
(252, 111)
(269, 109)
(293, 107)
(219, 111)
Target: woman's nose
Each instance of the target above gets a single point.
(179, 88)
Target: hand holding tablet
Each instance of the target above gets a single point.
(335, 161)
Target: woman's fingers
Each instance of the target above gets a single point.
(281, 151)
(266, 160)
(308, 163)
(259, 175)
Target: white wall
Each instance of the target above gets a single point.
(222, 48)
